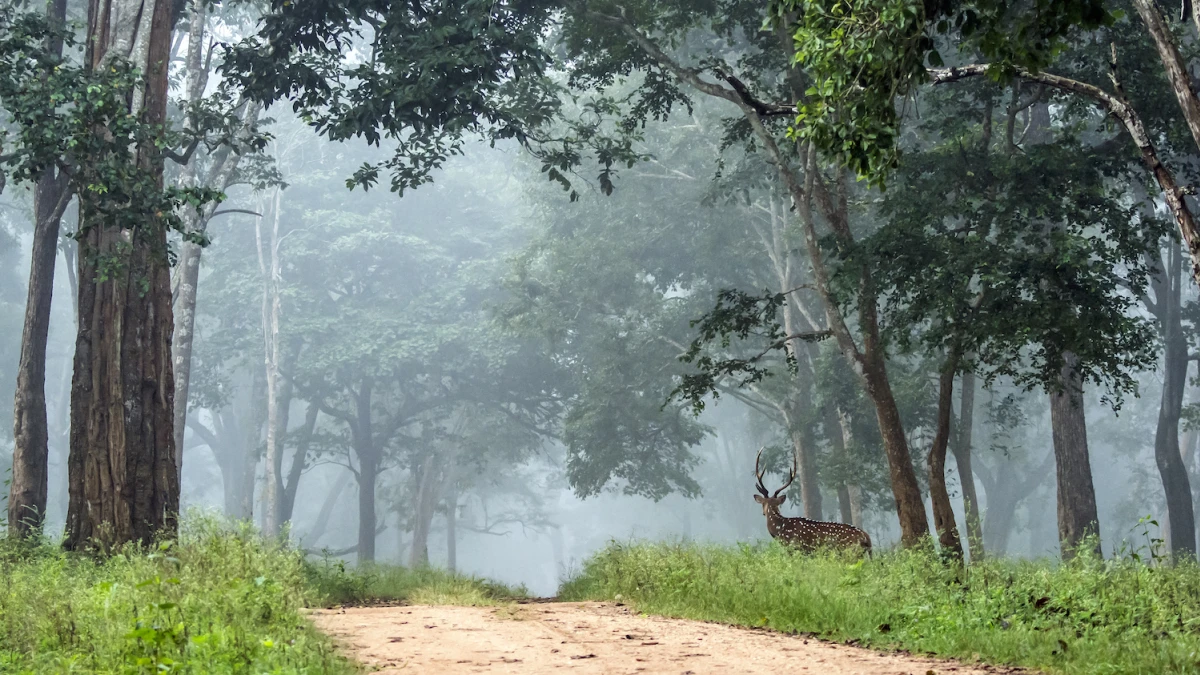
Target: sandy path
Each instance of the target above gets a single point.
(592, 638)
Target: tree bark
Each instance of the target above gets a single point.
(423, 506)
(270, 270)
(31, 436)
(299, 462)
(1171, 469)
(124, 484)
(943, 511)
(966, 473)
(1077, 514)
(853, 490)
(452, 530)
(369, 460)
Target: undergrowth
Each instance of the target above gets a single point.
(220, 599)
(335, 583)
(1085, 616)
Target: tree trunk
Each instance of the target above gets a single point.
(909, 505)
(1171, 469)
(326, 512)
(31, 436)
(363, 436)
(943, 511)
(124, 484)
(452, 531)
(966, 475)
(269, 268)
(853, 490)
(299, 462)
(1077, 515)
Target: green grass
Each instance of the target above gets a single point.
(335, 583)
(220, 600)
(1087, 616)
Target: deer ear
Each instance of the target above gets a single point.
(782, 498)
(759, 499)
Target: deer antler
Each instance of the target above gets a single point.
(791, 476)
(759, 474)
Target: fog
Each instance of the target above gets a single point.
(516, 352)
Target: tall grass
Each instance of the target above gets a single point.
(334, 583)
(1086, 616)
(220, 600)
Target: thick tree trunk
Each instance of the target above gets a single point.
(1077, 515)
(31, 435)
(943, 511)
(966, 474)
(124, 484)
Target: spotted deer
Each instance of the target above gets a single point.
(802, 533)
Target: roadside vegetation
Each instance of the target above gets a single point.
(1124, 615)
(222, 599)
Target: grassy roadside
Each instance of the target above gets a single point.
(1086, 616)
(220, 600)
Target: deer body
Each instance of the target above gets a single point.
(802, 533)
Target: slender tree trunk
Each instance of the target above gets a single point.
(326, 512)
(853, 490)
(943, 511)
(422, 517)
(124, 484)
(269, 267)
(1166, 447)
(452, 530)
(837, 441)
(966, 475)
(1077, 514)
(368, 470)
(31, 435)
(299, 462)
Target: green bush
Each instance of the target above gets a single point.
(220, 600)
(1086, 616)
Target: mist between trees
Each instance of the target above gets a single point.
(484, 285)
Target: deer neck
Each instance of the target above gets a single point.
(775, 522)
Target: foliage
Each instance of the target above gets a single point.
(863, 54)
(220, 599)
(1083, 616)
(57, 107)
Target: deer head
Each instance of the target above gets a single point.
(771, 502)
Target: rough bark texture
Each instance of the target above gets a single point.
(966, 473)
(943, 511)
(124, 484)
(1167, 285)
(1077, 515)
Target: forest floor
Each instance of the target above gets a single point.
(594, 637)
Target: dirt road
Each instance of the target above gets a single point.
(592, 638)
